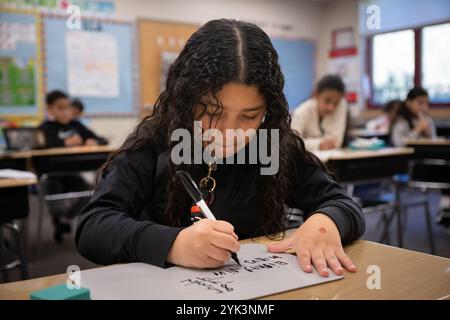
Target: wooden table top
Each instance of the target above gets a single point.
(56, 151)
(429, 142)
(348, 154)
(405, 274)
(11, 183)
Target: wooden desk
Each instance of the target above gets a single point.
(13, 160)
(23, 160)
(12, 183)
(404, 275)
(85, 158)
(53, 160)
(362, 165)
(430, 148)
(14, 198)
(433, 142)
(14, 205)
(55, 152)
(71, 151)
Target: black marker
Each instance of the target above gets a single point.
(196, 195)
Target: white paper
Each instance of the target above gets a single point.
(13, 33)
(262, 273)
(92, 62)
(16, 174)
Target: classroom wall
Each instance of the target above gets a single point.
(337, 15)
(287, 18)
(351, 13)
(303, 16)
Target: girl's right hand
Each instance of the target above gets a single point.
(205, 244)
(73, 141)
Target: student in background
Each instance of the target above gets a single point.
(383, 122)
(412, 121)
(60, 129)
(140, 212)
(322, 120)
(77, 109)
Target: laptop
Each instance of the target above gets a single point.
(22, 139)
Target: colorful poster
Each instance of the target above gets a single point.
(345, 63)
(18, 67)
(106, 6)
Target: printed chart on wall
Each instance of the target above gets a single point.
(19, 66)
(94, 63)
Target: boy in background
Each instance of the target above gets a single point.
(77, 109)
(61, 130)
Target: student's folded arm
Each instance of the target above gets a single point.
(85, 132)
(109, 230)
(317, 192)
(401, 133)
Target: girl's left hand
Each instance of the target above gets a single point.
(317, 242)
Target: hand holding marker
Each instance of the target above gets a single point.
(196, 195)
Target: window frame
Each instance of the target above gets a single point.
(417, 62)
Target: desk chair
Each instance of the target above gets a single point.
(62, 166)
(424, 175)
(370, 205)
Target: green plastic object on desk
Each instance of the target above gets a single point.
(61, 292)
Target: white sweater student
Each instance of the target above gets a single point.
(321, 121)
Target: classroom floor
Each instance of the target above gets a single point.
(54, 258)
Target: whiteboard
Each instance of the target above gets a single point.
(262, 273)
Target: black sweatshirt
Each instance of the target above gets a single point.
(55, 132)
(124, 220)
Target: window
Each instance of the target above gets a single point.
(400, 60)
(393, 65)
(436, 62)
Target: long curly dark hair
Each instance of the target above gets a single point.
(220, 52)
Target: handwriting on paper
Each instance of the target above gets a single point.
(220, 281)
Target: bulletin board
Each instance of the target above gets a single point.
(20, 64)
(96, 63)
(161, 41)
(297, 58)
(159, 44)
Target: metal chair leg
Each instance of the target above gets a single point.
(429, 227)
(387, 223)
(21, 254)
(41, 199)
(399, 212)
